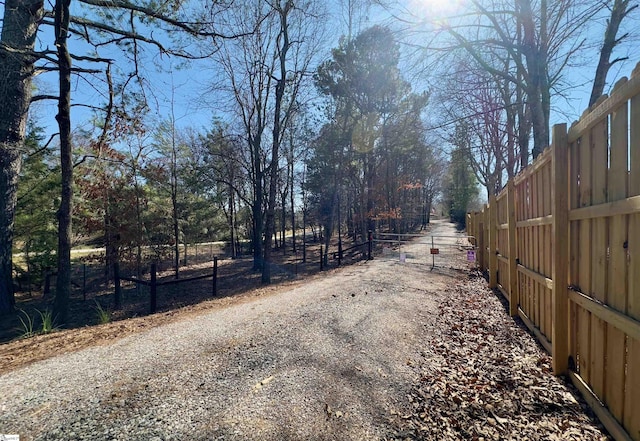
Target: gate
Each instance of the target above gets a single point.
(431, 250)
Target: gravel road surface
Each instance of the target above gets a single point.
(332, 359)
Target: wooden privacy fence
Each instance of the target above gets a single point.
(562, 243)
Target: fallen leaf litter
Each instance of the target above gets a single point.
(483, 377)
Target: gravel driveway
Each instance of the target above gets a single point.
(332, 359)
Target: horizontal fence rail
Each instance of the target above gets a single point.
(153, 283)
(561, 242)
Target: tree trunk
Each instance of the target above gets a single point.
(174, 201)
(19, 29)
(139, 229)
(258, 198)
(369, 167)
(524, 120)
(277, 139)
(618, 13)
(536, 59)
(292, 205)
(63, 281)
(111, 242)
(329, 226)
(232, 221)
(273, 183)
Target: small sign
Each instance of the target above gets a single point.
(435, 250)
(471, 255)
(403, 257)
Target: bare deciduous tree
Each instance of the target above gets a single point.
(619, 10)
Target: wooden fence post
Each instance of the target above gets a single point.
(474, 220)
(153, 289)
(47, 282)
(513, 265)
(493, 232)
(560, 258)
(480, 240)
(215, 276)
(117, 299)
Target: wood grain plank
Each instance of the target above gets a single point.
(610, 423)
(573, 334)
(539, 195)
(617, 269)
(548, 313)
(548, 250)
(615, 371)
(617, 208)
(584, 199)
(574, 175)
(628, 89)
(534, 302)
(574, 245)
(584, 344)
(623, 322)
(632, 384)
(597, 351)
(548, 188)
(632, 390)
(599, 165)
(530, 257)
(633, 299)
(545, 220)
(599, 162)
(512, 244)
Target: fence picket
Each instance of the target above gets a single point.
(513, 268)
(632, 390)
(632, 384)
(599, 254)
(572, 221)
(493, 242)
(617, 293)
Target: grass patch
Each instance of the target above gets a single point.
(29, 326)
(104, 315)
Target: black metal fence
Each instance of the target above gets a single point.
(153, 284)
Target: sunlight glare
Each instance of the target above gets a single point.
(434, 10)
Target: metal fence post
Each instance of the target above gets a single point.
(215, 276)
(153, 289)
(118, 289)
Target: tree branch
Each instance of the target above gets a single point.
(43, 97)
(126, 5)
(103, 27)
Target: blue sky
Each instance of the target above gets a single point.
(172, 81)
